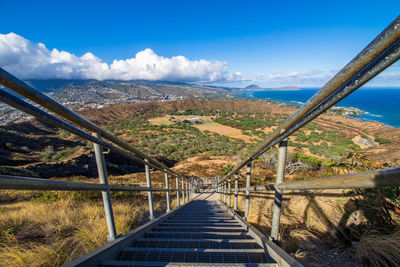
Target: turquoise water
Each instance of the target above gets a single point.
(379, 104)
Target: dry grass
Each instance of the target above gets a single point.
(161, 121)
(50, 234)
(224, 130)
(310, 223)
(306, 222)
(376, 249)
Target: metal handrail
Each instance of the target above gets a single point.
(28, 183)
(382, 42)
(371, 179)
(22, 88)
(382, 52)
(52, 120)
(390, 56)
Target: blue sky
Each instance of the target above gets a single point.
(271, 43)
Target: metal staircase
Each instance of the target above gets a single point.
(201, 233)
(204, 231)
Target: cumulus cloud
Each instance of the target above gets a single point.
(34, 61)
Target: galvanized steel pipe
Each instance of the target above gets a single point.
(149, 194)
(280, 175)
(20, 87)
(382, 42)
(235, 206)
(248, 181)
(167, 192)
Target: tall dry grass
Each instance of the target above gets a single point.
(377, 249)
(307, 221)
(36, 233)
(314, 222)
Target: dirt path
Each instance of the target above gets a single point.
(340, 127)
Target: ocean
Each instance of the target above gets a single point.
(379, 104)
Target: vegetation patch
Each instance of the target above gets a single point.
(49, 155)
(177, 141)
(246, 121)
(384, 141)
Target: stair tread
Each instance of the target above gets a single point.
(198, 235)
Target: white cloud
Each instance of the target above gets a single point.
(307, 78)
(28, 60)
(389, 77)
(278, 75)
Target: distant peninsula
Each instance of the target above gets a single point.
(255, 87)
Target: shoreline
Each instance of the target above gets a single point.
(297, 104)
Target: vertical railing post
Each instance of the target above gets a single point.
(191, 188)
(149, 193)
(235, 206)
(280, 174)
(167, 192)
(219, 188)
(178, 204)
(183, 191)
(187, 191)
(247, 201)
(102, 171)
(225, 192)
(229, 191)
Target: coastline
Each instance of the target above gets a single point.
(347, 109)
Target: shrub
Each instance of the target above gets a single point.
(314, 162)
(384, 141)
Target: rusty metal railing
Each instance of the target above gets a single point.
(114, 144)
(382, 52)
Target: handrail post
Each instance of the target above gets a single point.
(235, 207)
(149, 193)
(187, 191)
(247, 201)
(167, 192)
(224, 191)
(183, 191)
(280, 174)
(178, 204)
(219, 188)
(229, 191)
(102, 171)
(191, 188)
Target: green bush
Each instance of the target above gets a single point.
(245, 121)
(384, 141)
(315, 162)
(49, 155)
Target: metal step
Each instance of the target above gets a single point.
(213, 256)
(198, 240)
(201, 221)
(183, 224)
(201, 234)
(196, 243)
(191, 235)
(199, 229)
(181, 264)
(206, 250)
(202, 218)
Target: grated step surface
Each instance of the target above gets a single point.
(202, 233)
